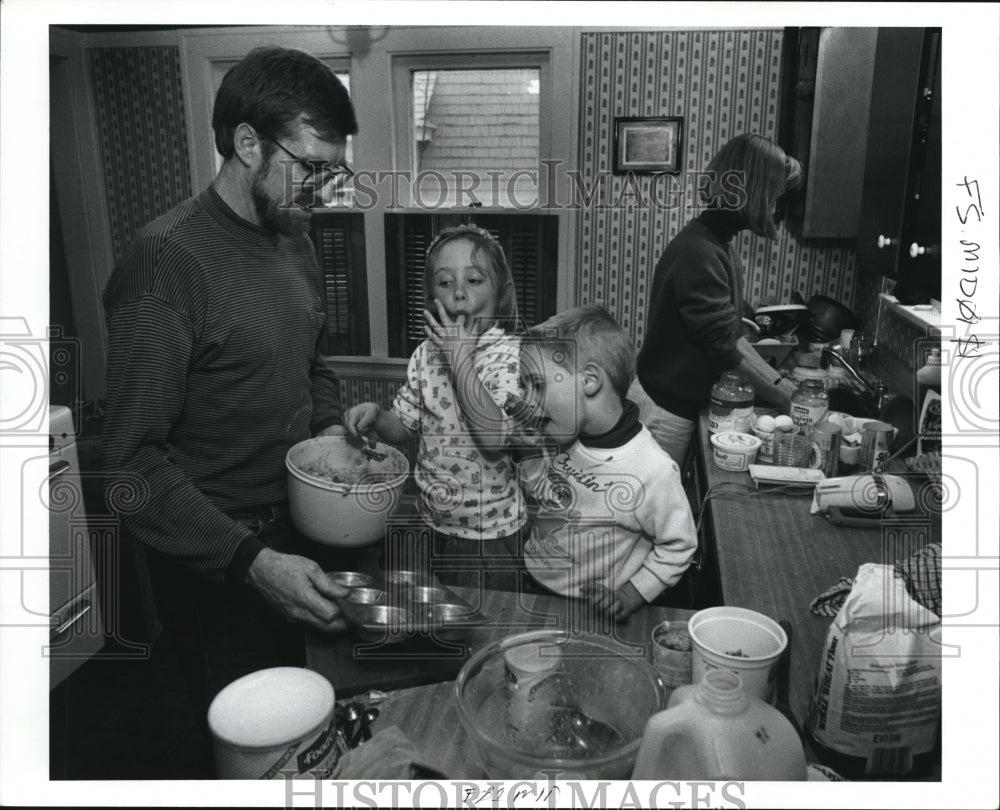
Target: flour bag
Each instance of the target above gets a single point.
(877, 699)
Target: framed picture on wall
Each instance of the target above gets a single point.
(648, 145)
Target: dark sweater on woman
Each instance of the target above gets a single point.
(214, 371)
(694, 315)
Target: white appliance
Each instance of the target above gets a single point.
(76, 627)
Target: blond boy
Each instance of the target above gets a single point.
(615, 526)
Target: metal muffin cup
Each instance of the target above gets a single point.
(351, 579)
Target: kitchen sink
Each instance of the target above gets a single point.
(849, 401)
(898, 412)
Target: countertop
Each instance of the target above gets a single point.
(428, 713)
(775, 557)
(772, 555)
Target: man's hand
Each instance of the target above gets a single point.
(619, 604)
(298, 588)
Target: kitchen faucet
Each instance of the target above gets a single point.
(879, 394)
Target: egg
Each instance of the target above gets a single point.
(765, 423)
(782, 422)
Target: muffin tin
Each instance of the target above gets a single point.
(408, 604)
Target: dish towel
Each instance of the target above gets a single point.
(920, 572)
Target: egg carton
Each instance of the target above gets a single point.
(407, 604)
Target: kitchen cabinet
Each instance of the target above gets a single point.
(826, 81)
(899, 233)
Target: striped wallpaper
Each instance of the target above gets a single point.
(722, 83)
(144, 144)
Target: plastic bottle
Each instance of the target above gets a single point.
(730, 408)
(810, 402)
(929, 376)
(713, 730)
(929, 373)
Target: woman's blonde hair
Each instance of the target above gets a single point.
(749, 174)
(490, 258)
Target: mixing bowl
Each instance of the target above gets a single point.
(340, 496)
(574, 705)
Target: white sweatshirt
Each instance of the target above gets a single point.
(610, 516)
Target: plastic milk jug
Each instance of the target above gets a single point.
(713, 730)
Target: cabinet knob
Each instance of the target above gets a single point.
(884, 241)
(918, 250)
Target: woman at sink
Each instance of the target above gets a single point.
(693, 329)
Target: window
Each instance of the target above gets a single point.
(470, 133)
(528, 240)
(478, 129)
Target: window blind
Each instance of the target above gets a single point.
(528, 240)
(339, 238)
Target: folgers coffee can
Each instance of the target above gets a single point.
(875, 440)
(274, 722)
(825, 453)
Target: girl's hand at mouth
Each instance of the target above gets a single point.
(452, 335)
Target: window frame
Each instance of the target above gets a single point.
(402, 102)
(371, 75)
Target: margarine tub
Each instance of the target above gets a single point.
(734, 451)
(274, 722)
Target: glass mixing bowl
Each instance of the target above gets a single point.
(577, 712)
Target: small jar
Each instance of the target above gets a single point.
(730, 408)
(766, 453)
(810, 402)
(825, 454)
(802, 373)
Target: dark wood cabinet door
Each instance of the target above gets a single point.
(920, 249)
(895, 88)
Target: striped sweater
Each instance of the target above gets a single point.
(214, 370)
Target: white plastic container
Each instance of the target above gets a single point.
(274, 721)
(734, 451)
(741, 641)
(525, 667)
(715, 731)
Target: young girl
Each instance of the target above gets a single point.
(457, 381)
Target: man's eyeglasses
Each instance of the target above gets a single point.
(341, 172)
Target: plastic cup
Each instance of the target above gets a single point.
(740, 641)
